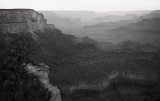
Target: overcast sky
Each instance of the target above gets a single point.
(96, 5)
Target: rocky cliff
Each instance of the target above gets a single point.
(21, 20)
(42, 72)
(26, 21)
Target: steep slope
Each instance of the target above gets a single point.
(19, 46)
(53, 43)
(16, 84)
(58, 47)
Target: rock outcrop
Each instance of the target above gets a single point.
(29, 21)
(42, 71)
(21, 20)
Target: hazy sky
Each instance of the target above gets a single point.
(96, 5)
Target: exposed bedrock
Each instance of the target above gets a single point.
(21, 20)
(42, 72)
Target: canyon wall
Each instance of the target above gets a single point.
(42, 72)
(21, 20)
(28, 20)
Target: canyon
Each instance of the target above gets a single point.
(80, 70)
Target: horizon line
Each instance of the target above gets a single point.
(86, 10)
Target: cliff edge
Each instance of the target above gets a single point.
(21, 20)
(15, 22)
(42, 72)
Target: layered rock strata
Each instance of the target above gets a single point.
(21, 20)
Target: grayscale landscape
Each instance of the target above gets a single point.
(79, 55)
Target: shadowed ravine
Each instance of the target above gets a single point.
(118, 89)
(116, 78)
